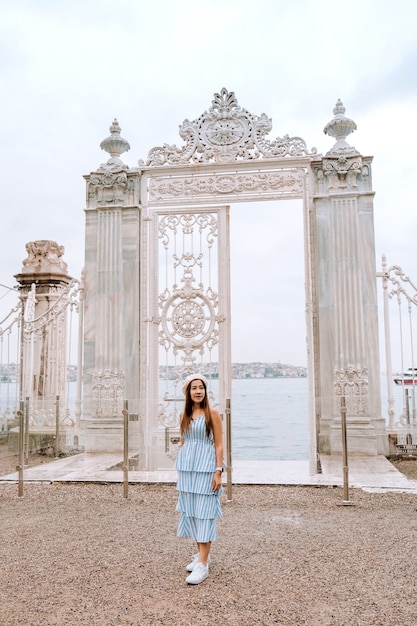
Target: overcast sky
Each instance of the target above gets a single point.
(69, 67)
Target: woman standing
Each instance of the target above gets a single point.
(199, 465)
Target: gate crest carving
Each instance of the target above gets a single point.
(224, 134)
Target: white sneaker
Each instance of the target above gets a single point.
(199, 573)
(190, 567)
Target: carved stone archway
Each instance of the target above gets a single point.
(227, 157)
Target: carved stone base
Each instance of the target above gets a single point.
(364, 437)
(381, 433)
(104, 435)
(41, 438)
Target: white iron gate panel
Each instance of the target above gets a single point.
(190, 310)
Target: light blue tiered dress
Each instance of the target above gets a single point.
(198, 504)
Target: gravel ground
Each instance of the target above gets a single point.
(82, 554)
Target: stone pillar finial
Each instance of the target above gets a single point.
(115, 145)
(339, 128)
(44, 257)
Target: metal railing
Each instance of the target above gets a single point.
(50, 421)
(399, 290)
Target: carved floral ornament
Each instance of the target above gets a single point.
(246, 184)
(108, 389)
(226, 133)
(342, 172)
(107, 188)
(352, 384)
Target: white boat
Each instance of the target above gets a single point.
(409, 377)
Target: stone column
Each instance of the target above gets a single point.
(111, 342)
(347, 329)
(44, 286)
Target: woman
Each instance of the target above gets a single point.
(200, 465)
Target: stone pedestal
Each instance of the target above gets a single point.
(104, 435)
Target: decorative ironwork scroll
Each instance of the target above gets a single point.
(188, 304)
(188, 310)
(400, 289)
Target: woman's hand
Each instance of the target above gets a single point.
(217, 481)
(218, 445)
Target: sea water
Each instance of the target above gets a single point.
(270, 419)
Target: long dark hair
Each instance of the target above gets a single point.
(186, 420)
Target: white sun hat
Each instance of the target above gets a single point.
(190, 379)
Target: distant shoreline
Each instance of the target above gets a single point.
(247, 371)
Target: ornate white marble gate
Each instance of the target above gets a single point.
(135, 313)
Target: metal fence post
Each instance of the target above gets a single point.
(57, 426)
(346, 501)
(26, 433)
(229, 449)
(20, 446)
(125, 449)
